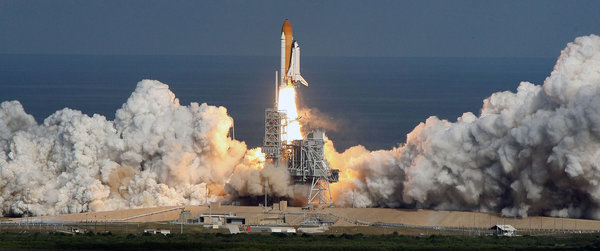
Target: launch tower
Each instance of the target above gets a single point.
(304, 158)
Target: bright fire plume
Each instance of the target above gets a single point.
(287, 103)
(256, 158)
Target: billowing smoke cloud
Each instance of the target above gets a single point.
(536, 151)
(313, 119)
(251, 176)
(156, 152)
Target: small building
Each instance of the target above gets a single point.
(235, 220)
(221, 219)
(504, 230)
(163, 231)
(281, 206)
(157, 231)
(268, 229)
(272, 220)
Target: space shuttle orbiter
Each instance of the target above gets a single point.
(290, 57)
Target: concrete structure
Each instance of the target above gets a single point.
(219, 219)
(233, 229)
(281, 205)
(313, 230)
(157, 231)
(269, 229)
(504, 230)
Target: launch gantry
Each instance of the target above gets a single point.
(304, 158)
(307, 165)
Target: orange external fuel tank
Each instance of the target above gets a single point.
(286, 29)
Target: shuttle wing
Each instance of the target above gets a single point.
(293, 74)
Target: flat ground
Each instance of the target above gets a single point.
(427, 221)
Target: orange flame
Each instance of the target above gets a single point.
(342, 191)
(255, 158)
(287, 103)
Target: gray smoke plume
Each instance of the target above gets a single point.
(313, 119)
(533, 152)
(156, 152)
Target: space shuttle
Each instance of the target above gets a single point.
(290, 58)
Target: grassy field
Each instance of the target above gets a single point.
(195, 241)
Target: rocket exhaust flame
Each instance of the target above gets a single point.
(256, 157)
(287, 103)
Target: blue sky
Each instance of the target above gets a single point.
(323, 28)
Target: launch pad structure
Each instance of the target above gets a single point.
(304, 158)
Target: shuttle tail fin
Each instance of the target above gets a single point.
(302, 80)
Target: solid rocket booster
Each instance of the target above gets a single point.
(290, 57)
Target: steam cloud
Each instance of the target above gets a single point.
(156, 152)
(536, 151)
(313, 119)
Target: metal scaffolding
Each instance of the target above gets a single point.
(274, 125)
(305, 158)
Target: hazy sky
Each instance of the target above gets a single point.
(323, 28)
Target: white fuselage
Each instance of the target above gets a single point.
(290, 62)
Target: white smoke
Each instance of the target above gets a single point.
(536, 151)
(156, 152)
